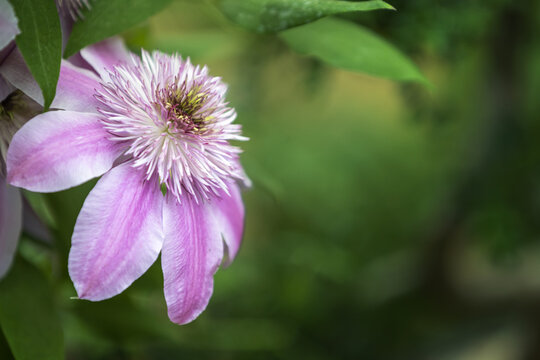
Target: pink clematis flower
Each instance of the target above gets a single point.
(158, 128)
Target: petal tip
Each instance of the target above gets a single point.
(82, 293)
(87, 293)
(185, 317)
(15, 179)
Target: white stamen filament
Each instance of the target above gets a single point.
(175, 122)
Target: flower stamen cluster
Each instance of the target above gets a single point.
(184, 110)
(176, 123)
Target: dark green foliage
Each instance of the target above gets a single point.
(108, 18)
(40, 42)
(267, 16)
(28, 314)
(345, 45)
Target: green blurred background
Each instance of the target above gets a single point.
(386, 220)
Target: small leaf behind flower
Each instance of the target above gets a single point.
(352, 47)
(106, 18)
(267, 16)
(40, 42)
(164, 189)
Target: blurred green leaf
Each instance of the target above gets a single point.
(108, 18)
(28, 316)
(199, 45)
(267, 16)
(65, 206)
(349, 46)
(40, 42)
(5, 352)
(41, 206)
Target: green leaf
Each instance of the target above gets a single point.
(28, 316)
(40, 205)
(349, 46)
(110, 17)
(40, 42)
(267, 16)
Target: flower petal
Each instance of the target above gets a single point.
(66, 23)
(60, 149)
(5, 88)
(192, 252)
(10, 224)
(118, 234)
(8, 24)
(75, 89)
(229, 212)
(106, 54)
(15, 71)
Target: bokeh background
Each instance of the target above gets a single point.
(387, 220)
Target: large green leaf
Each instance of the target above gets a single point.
(28, 316)
(349, 46)
(110, 17)
(40, 42)
(266, 16)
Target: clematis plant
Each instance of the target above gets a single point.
(15, 109)
(158, 129)
(10, 199)
(13, 113)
